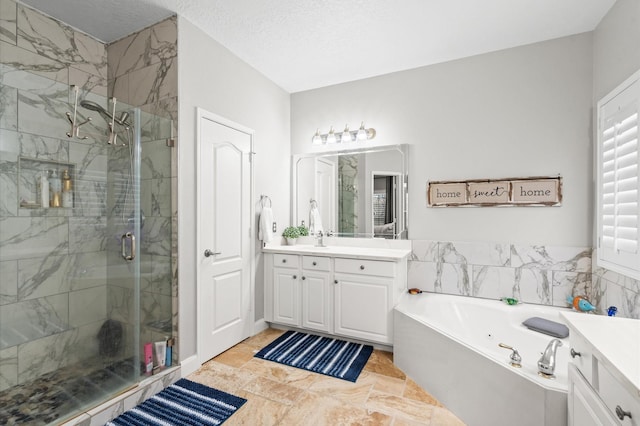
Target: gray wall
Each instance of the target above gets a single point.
(524, 111)
(211, 77)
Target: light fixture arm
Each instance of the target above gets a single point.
(345, 136)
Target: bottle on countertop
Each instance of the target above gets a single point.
(67, 191)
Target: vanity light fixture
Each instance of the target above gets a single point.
(346, 136)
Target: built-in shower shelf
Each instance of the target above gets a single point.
(29, 172)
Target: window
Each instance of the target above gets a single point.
(618, 184)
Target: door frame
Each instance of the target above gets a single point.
(200, 115)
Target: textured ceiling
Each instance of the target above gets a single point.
(306, 44)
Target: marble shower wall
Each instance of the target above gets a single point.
(142, 72)
(52, 261)
(533, 274)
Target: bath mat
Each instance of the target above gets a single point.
(324, 355)
(183, 403)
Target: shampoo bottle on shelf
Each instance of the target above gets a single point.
(55, 189)
(67, 192)
(43, 189)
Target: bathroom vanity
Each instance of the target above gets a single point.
(346, 291)
(604, 373)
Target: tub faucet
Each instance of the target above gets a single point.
(547, 362)
(319, 242)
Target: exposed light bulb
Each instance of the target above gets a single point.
(362, 133)
(331, 137)
(317, 139)
(346, 135)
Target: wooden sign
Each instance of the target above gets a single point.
(532, 191)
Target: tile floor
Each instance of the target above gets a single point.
(280, 395)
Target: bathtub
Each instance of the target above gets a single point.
(449, 346)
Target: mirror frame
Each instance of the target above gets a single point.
(403, 149)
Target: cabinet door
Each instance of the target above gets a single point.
(316, 301)
(585, 407)
(286, 296)
(363, 307)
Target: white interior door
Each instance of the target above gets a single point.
(225, 308)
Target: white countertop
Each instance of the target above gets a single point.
(616, 344)
(373, 253)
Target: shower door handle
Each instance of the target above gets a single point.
(132, 254)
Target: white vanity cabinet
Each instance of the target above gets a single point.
(603, 372)
(335, 293)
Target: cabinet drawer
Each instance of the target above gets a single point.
(316, 263)
(285, 260)
(615, 395)
(584, 361)
(365, 267)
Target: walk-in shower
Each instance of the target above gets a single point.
(83, 285)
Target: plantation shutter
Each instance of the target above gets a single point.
(618, 181)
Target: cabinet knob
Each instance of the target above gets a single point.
(335, 281)
(304, 278)
(314, 263)
(362, 267)
(621, 413)
(574, 353)
(284, 260)
(295, 277)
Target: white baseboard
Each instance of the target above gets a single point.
(189, 365)
(259, 326)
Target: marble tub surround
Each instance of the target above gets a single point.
(282, 395)
(532, 274)
(612, 289)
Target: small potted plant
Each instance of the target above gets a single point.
(291, 234)
(304, 231)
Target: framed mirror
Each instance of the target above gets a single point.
(352, 193)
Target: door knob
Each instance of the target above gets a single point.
(208, 253)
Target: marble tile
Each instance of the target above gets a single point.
(262, 339)
(88, 234)
(386, 384)
(42, 356)
(163, 40)
(569, 259)
(156, 160)
(24, 237)
(154, 309)
(120, 305)
(33, 319)
(443, 417)
(158, 278)
(422, 275)
(627, 301)
(493, 282)
(454, 279)
(8, 282)
(154, 82)
(87, 306)
(533, 285)
(355, 394)
(396, 406)
(416, 393)
(237, 356)
(322, 410)
(156, 236)
(90, 161)
(55, 40)
(8, 108)
(42, 112)
(381, 362)
(570, 284)
(118, 87)
(9, 191)
(160, 197)
(222, 377)
(490, 254)
(9, 151)
(33, 146)
(43, 276)
(102, 417)
(87, 83)
(8, 24)
(19, 65)
(424, 250)
(128, 54)
(90, 202)
(257, 411)
(8, 368)
(284, 374)
(275, 391)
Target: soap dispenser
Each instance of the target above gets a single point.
(67, 192)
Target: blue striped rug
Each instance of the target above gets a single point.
(324, 355)
(183, 403)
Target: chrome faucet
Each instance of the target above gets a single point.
(319, 242)
(547, 362)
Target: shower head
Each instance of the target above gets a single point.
(92, 106)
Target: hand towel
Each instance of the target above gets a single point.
(315, 221)
(266, 219)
